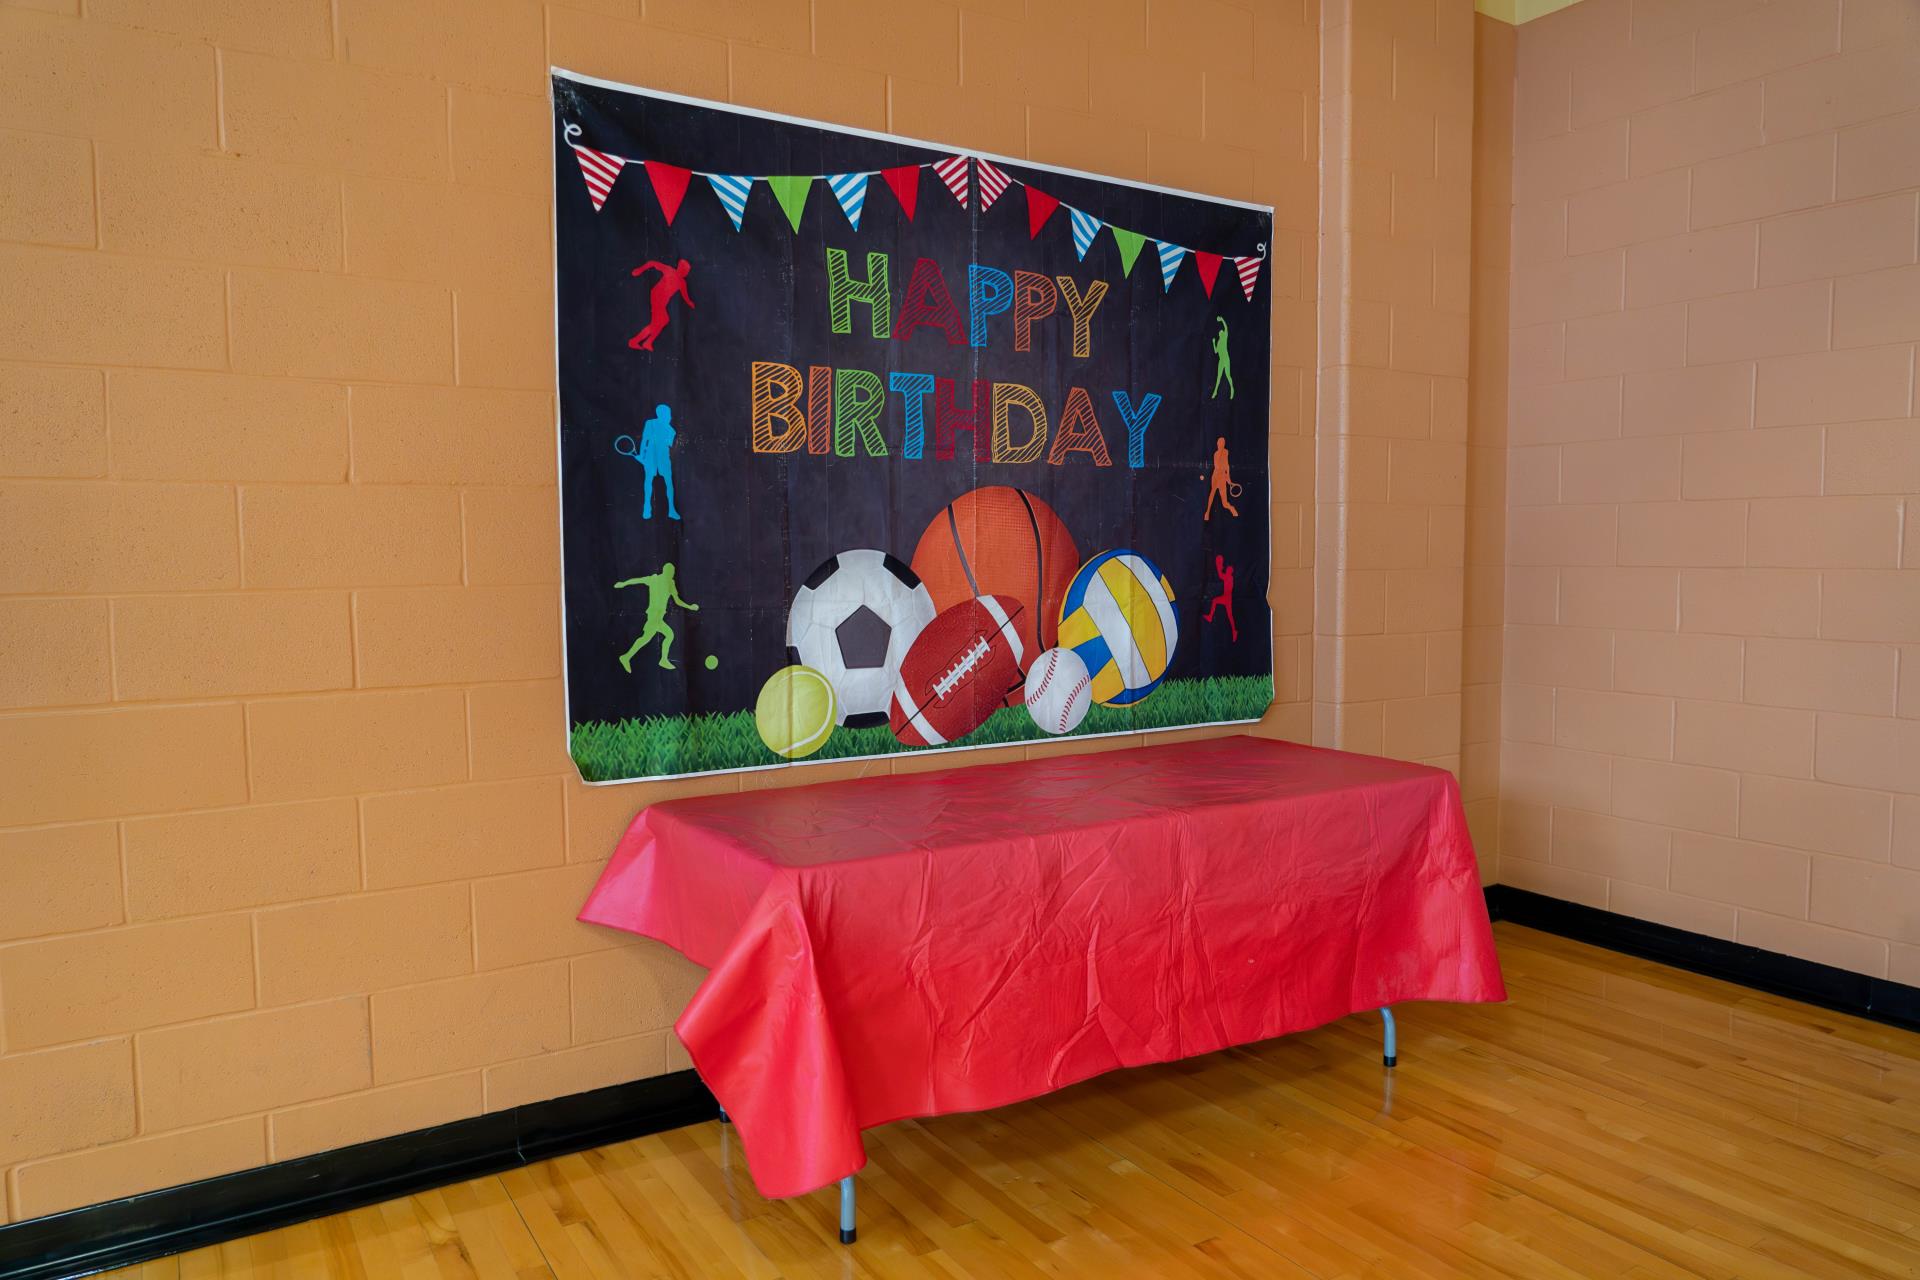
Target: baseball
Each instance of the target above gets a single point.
(1059, 691)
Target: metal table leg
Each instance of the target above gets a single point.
(1391, 1055)
(847, 1232)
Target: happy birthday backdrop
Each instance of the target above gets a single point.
(871, 446)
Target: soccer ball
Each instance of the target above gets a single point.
(853, 621)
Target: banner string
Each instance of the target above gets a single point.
(600, 170)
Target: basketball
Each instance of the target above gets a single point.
(1058, 691)
(796, 712)
(1000, 541)
(1118, 616)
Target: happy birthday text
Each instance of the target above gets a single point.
(839, 411)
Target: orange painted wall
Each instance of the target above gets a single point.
(1396, 129)
(1711, 698)
(1408, 553)
(1593, 438)
(289, 849)
(1483, 611)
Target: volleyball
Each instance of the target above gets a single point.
(1118, 617)
(796, 712)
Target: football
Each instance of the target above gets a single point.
(958, 672)
(853, 620)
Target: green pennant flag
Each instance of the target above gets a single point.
(791, 192)
(1129, 242)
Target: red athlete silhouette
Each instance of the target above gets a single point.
(672, 281)
(1225, 598)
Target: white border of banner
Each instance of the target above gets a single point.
(560, 499)
(857, 132)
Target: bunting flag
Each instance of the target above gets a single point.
(791, 191)
(1208, 265)
(905, 184)
(1249, 269)
(599, 169)
(1085, 228)
(733, 192)
(850, 189)
(1040, 207)
(953, 172)
(1170, 255)
(992, 182)
(669, 186)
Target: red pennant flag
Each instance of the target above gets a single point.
(1249, 270)
(905, 182)
(670, 185)
(1040, 207)
(1209, 267)
(953, 172)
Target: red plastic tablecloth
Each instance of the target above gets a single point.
(916, 944)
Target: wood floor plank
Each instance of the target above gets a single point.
(1616, 1118)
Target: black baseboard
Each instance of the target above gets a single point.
(1842, 990)
(123, 1232)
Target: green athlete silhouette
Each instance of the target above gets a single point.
(1222, 362)
(660, 591)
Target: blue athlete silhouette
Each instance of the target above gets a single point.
(655, 456)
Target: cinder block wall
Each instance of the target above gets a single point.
(1397, 131)
(289, 847)
(1712, 688)
(1484, 610)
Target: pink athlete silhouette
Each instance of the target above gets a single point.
(672, 282)
(1225, 598)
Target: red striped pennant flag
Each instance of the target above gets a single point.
(670, 185)
(1208, 264)
(1249, 270)
(1040, 207)
(905, 184)
(992, 182)
(953, 172)
(600, 170)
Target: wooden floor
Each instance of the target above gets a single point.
(1616, 1119)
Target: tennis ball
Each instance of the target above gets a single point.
(795, 712)
(712, 662)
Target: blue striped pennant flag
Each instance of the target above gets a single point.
(1085, 228)
(1170, 255)
(850, 189)
(733, 191)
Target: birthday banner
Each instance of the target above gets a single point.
(872, 446)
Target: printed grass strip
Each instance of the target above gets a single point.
(606, 750)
